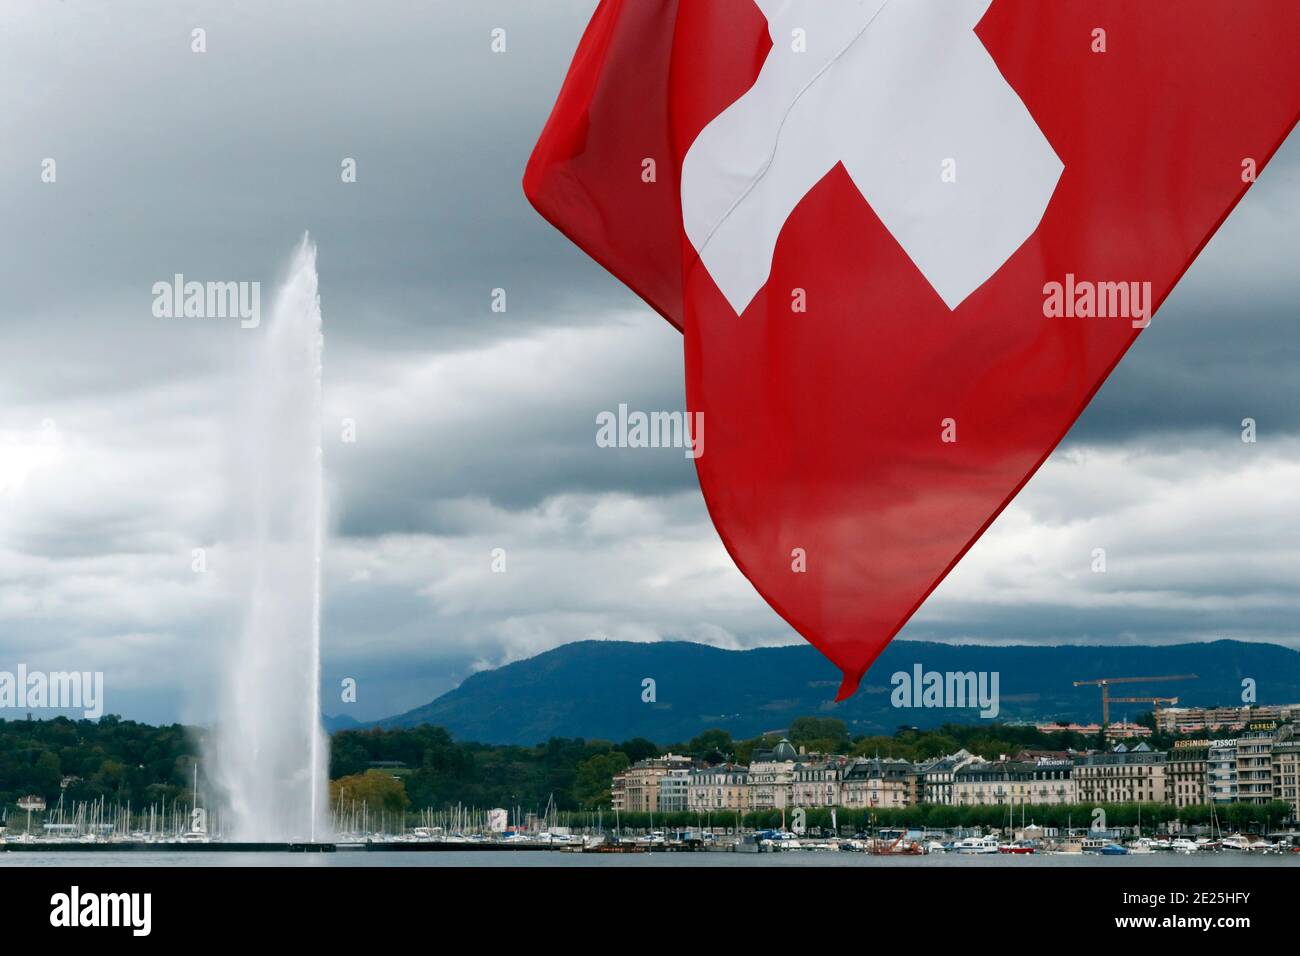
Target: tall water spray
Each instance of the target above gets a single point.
(269, 756)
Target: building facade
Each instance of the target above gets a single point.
(1014, 782)
(936, 776)
(1255, 764)
(1221, 771)
(997, 782)
(1261, 764)
(1122, 775)
(1053, 782)
(641, 782)
(817, 784)
(674, 788)
(1286, 769)
(719, 789)
(877, 783)
(1190, 720)
(771, 773)
(1188, 773)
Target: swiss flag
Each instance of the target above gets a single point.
(906, 241)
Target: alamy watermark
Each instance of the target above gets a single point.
(625, 429)
(1081, 299)
(57, 690)
(74, 908)
(951, 689)
(208, 300)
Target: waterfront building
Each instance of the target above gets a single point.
(1053, 782)
(641, 781)
(1187, 773)
(1286, 768)
(937, 775)
(1122, 774)
(721, 788)
(1255, 764)
(877, 783)
(817, 783)
(1259, 765)
(1221, 771)
(996, 783)
(914, 781)
(990, 783)
(771, 773)
(674, 789)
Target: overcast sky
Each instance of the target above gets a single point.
(475, 430)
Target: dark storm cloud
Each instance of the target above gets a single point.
(170, 161)
(476, 429)
(1223, 347)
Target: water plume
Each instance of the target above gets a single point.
(268, 757)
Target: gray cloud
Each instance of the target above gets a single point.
(476, 429)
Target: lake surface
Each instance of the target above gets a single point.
(164, 858)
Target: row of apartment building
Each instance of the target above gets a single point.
(1193, 720)
(1258, 765)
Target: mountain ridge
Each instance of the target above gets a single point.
(593, 689)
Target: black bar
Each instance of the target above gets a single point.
(371, 896)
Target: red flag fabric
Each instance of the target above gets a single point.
(905, 242)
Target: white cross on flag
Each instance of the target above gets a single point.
(887, 89)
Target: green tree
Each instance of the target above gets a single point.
(820, 734)
(594, 777)
(638, 748)
(377, 789)
(712, 746)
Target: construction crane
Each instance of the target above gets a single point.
(1105, 682)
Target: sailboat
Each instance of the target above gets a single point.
(1143, 845)
(1016, 846)
(198, 831)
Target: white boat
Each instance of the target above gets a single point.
(822, 846)
(1235, 843)
(781, 840)
(1183, 845)
(988, 844)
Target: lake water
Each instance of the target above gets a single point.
(164, 858)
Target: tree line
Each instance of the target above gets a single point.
(122, 761)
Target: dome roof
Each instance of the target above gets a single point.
(784, 751)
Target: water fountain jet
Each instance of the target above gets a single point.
(268, 754)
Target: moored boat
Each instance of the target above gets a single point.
(1017, 848)
(988, 844)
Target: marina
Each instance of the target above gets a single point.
(156, 857)
(895, 843)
